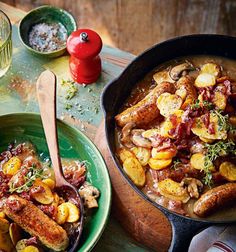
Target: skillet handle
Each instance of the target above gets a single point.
(183, 231)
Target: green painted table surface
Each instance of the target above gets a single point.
(17, 94)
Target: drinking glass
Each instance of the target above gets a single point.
(5, 43)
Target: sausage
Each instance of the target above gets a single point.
(214, 199)
(187, 83)
(36, 223)
(146, 110)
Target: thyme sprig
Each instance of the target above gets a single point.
(205, 104)
(223, 120)
(213, 151)
(175, 165)
(30, 177)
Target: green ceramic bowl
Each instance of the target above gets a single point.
(45, 14)
(73, 144)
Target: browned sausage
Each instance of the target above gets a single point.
(214, 199)
(187, 83)
(146, 110)
(36, 223)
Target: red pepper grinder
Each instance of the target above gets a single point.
(84, 45)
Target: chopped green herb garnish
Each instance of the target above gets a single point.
(71, 88)
(68, 106)
(208, 105)
(29, 178)
(221, 148)
(175, 165)
(205, 104)
(223, 120)
(196, 105)
(96, 110)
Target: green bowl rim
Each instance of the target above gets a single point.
(108, 209)
(72, 18)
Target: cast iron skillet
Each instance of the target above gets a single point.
(115, 93)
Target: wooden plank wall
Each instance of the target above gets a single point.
(134, 25)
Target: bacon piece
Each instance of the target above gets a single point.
(206, 119)
(182, 171)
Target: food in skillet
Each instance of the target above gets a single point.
(33, 216)
(176, 137)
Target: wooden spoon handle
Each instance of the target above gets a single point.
(46, 92)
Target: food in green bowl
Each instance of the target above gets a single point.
(83, 165)
(44, 30)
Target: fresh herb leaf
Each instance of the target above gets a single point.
(175, 165)
(68, 106)
(205, 104)
(208, 105)
(196, 105)
(30, 177)
(223, 120)
(213, 151)
(71, 88)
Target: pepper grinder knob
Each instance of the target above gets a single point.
(83, 37)
(84, 46)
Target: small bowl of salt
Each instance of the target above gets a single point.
(44, 30)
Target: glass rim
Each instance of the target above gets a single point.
(10, 30)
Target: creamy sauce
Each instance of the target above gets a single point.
(143, 87)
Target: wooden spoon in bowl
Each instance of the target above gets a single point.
(46, 92)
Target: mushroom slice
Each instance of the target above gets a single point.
(126, 134)
(139, 140)
(89, 194)
(177, 71)
(193, 186)
(162, 76)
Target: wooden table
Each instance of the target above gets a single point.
(17, 94)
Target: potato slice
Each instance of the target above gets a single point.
(21, 245)
(181, 92)
(200, 130)
(2, 215)
(168, 103)
(173, 190)
(197, 161)
(220, 100)
(15, 233)
(4, 225)
(45, 197)
(12, 166)
(166, 154)
(49, 182)
(205, 80)
(30, 249)
(158, 164)
(212, 69)
(167, 125)
(150, 133)
(124, 154)
(62, 213)
(135, 171)
(56, 199)
(205, 140)
(142, 154)
(228, 171)
(165, 128)
(74, 212)
(187, 102)
(5, 243)
(162, 76)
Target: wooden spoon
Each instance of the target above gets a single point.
(46, 92)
